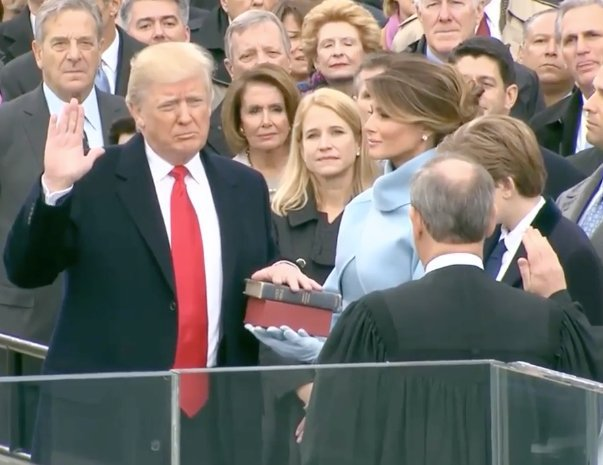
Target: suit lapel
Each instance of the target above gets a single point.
(137, 193)
(20, 33)
(224, 192)
(36, 121)
(577, 198)
(128, 47)
(571, 123)
(545, 221)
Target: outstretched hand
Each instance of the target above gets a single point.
(64, 159)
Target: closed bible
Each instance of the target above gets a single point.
(277, 305)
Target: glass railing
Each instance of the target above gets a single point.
(445, 413)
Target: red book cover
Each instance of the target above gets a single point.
(265, 313)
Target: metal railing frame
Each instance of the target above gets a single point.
(16, 349)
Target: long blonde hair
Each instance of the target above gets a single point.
(298, 182)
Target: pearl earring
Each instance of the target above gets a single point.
(424, 137)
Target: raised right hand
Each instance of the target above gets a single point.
(64, 159)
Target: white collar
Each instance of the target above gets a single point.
(110, 57)
(450, 259)
(90, 104)
(160, 168)
(513, 238)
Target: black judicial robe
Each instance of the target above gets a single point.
(438, 414)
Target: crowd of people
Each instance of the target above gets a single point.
(438, 163)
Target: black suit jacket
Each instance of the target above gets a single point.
(111, 226)
(581, 264)
(530, 100)
(557, 127)
(22, 75)
(215, 138)
(16, 36)
(587, 161)
(561, 173)
(210, 35)
(26, 313)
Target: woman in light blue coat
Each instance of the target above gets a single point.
(414, 104)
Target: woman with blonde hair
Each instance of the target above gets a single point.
(327, 167)
(415, 103)
(336, 34)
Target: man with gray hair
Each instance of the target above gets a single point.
(454, 312)
(579, 33)
(67, 50)
(117, 49)
(253, 38)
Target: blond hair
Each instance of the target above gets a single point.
(506, 147)
(345, 11)
(168, 63)
(298, 183)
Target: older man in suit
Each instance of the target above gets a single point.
(583, 203)
(117, 49)
(67, 73)
(154, 239)
(466, 16)
(456, 311)
(562, 127)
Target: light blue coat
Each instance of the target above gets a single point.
(375, 248)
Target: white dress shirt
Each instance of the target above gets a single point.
(492, 12)
(109, 62)
(581, 142)
(92, 121)
(450, 259)
(200, 194)
(513, 238)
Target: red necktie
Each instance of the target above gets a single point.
(483, 29)
(189, 274)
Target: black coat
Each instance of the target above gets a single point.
(22, 75)
(215, 139)
(561, 172)
(581, 264)
(303, 237)
(16, 36)
(439, 413)
(557, 127)
(529, 100)
(210, 35)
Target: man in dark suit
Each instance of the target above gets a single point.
(23, 75)
(437, 47)
(488, 63)
(248, 39)
(582, 203)
(508, 150)
(561, 127)
(137, 234)
(30, 314)
(440, 414)
(16, 34)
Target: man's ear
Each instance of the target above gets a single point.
(511, 96)
(416, 221)
(228, 66)
(37, 53)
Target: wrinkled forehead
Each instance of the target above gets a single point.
(258, 36)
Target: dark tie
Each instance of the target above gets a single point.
(483, 29)
(504, 7)
(494, 261)
(191, 296)
(85, 144)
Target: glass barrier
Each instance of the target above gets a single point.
(120, 419)
(444, 413)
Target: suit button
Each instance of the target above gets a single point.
(173, 306)
(300, 262)
(155, 445)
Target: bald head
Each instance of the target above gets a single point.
(455, 200)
